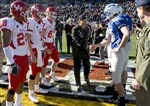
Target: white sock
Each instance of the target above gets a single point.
(52, 73)
(9, 103)
(31, 92)
(18, 99)
(43, 78)
(36, 87)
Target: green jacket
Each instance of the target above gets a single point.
(143, 58)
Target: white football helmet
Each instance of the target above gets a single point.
(112, 9)
(120, 9)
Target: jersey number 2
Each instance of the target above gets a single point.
(20, 39)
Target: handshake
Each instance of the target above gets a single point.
(92, 47)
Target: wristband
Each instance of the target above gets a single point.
(8, 54)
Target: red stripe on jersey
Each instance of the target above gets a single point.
(6, 29)
(49, 20)
(12, 45)
(31, 42)
(30, 30)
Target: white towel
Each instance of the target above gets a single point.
(39, 54)
(39, 58)
(8, 69)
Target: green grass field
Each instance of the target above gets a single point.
(132, 52)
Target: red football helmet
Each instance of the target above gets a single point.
(51, 11)
(18, 9)
(37, 10)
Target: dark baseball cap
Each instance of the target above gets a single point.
(81, 17)
(142, 3)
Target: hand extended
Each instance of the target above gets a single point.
(136, 85)
(15, 68)
(48, 51)
(115, 50)
(33, 59)
(92, 47)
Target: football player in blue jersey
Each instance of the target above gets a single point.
(118, 36)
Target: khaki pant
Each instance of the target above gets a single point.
(142, 97)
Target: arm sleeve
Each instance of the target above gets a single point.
(75, 37)
(124, 20)
(8, 24)
(120, 23)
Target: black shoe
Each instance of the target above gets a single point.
(108, 72)
(122, 102)
(101, 63)
(79, 89)
(114, 98)
(87, 82)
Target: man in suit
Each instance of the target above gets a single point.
(68, 29)
(118, 36)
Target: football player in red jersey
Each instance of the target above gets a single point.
(49, 28)
(34, 28)
(15, 50)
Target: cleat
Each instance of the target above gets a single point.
(52, 76)
(33, 98)
(80, 90)
(45, 83)
(41, 91)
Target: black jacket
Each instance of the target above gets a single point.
(81, 39)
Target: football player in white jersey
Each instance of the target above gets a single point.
(34, 28)
(119, 30)
(49, 28)
(15, 50)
